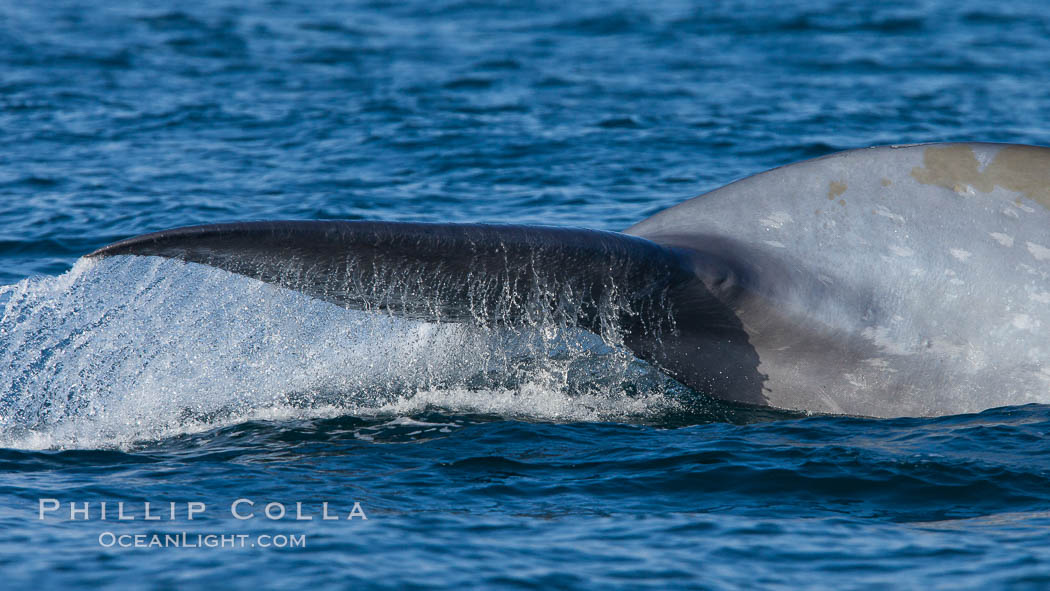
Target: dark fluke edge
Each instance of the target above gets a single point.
(831, 285)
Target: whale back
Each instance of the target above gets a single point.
(865, 197)
(926, 268)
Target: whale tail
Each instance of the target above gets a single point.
(436, 272)
(640, 293)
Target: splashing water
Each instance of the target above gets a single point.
(135, 348)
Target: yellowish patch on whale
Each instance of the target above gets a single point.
(1022, 169)
(886, 182)
(835, 189)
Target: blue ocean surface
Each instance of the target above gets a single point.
(482, 457)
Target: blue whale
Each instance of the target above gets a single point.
(887, 281)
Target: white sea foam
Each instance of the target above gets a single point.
(130, 349)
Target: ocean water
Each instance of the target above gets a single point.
(540, 458)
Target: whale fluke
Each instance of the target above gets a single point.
(453, 272)
(605, 282)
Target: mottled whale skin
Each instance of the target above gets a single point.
(888, 281)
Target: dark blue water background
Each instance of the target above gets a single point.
(534, 461)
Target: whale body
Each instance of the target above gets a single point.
(887, 281)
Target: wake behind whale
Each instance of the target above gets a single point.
(891, 281)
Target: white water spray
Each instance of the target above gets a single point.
(131, 348)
